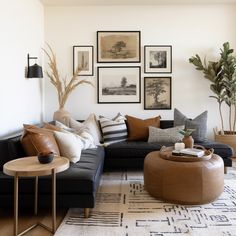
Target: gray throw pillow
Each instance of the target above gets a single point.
(199, 123)
(170, 135)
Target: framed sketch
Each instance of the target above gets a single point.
(119, 84)
(118, 46)
(158, 59)
(157, 93)
(83, 56)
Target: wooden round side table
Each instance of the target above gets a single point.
(30, 167)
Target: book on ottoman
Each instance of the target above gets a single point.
(189, 151)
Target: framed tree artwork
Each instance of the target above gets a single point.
(83, 56)
(157, 93)
(119, 84)
(158, 59)
(118, 46)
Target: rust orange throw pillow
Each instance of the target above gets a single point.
(138, 128)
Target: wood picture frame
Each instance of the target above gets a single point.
(83, 56)
(119, 84)
(157, 59)
(157, 93)
(118, 46)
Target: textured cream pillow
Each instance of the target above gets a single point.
(90, 124)
(70, 145)
(87, 139)
(84, 135)
(63, 126)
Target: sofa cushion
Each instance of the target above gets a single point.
(138, 128)
(165, 135)
(81, 178)
(199, 123)
(132, 149)
(128, 153)
(114, 130)
(35, 140)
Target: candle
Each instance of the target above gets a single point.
(179, 146)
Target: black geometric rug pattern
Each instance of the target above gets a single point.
(124, 208)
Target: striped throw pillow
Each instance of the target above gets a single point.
(114, 130)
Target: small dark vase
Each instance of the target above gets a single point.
(45, 158)
(188, 141)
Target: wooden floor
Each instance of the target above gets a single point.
(26, 219)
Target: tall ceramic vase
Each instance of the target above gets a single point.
(62, 116)
(188, 141)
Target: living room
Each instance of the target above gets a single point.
(189, 27)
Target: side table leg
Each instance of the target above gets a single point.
(15, 204)
(53, 201)
(36, 196)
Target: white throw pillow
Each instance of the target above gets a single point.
(87, 139)
(90, 125)
(170, 135)
(84, 135)
(70, 145)
(63, 126)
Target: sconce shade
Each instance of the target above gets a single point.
(35, 71)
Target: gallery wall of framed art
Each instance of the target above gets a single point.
(117, 83)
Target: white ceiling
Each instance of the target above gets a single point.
(130, 2)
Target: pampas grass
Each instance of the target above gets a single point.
(63, 87)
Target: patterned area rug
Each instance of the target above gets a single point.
(124, 208)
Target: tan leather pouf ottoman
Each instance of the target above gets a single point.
(184, 182)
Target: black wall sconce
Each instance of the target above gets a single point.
(34, 71)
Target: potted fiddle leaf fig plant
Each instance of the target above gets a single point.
(222, 75)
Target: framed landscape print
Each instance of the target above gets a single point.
(158, 59)
(83, 56)
(157, 93)
(118, 46)
(119, 84)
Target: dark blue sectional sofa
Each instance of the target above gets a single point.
(77, 186)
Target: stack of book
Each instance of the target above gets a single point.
(189, 152)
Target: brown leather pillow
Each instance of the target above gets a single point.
(138, 128)
(35, 140)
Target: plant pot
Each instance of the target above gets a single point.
(188, 141)
(229, 139)
(62, 116)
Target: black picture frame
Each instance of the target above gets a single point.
(118, 46)
(157, 59)
(119, 84)
(157, 93)
(84, 55)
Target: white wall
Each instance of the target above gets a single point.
(189, 29)
(22, 32)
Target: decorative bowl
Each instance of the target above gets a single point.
(45, 158)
